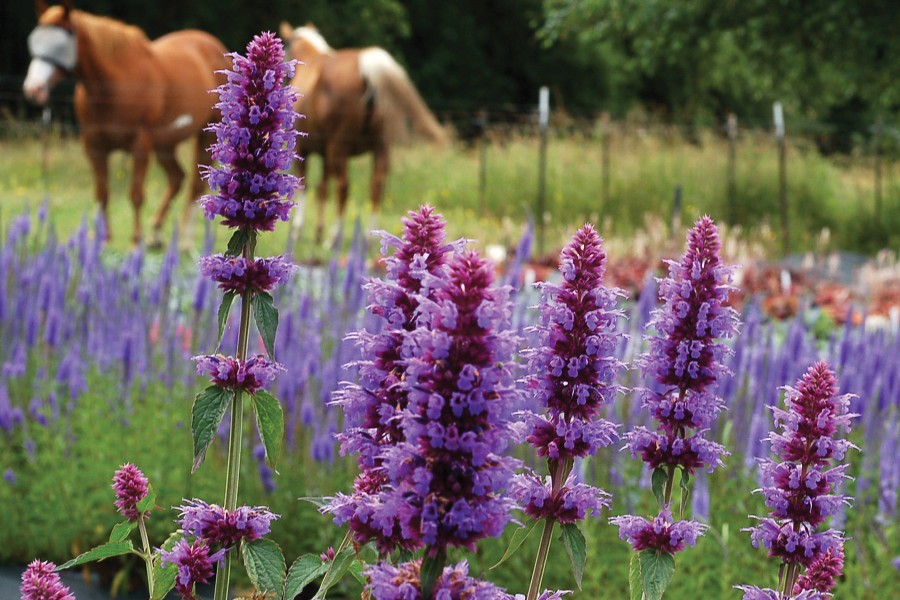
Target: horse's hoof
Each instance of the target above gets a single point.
(154, 244)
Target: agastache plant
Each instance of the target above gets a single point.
(252, 190)
(573, 376)
(802, 489)
(683, 365)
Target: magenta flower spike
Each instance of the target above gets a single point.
(224, 528)
(130, 487)
(40, 582)
(230, 373)
(194, 563)
(803, 489)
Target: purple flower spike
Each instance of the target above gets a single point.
(234, 374)
(130, 486)
(237, 274)
(217, 526)
(751, 592)
(802, 490)
(39, 582)
(256, 140)
(570, 503)
(388, 582)
(662, 533)
(194, 563)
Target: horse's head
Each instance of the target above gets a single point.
(53, 50)
(304, 42)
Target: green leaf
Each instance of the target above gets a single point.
(658, 483)
(576, 548)
(270, 422)
(338, 568)
(266, 316)
(317, 501)
(209, 409)
(432, 567)
(147, 502)
(685, 490)
(237, 242)
(635, 590)
(265, 565)
(356, 569)
(657, 569)
(164, 576)
(121, 531)
(304, 571)
(224, 309)
(99, 553)
(519, 536)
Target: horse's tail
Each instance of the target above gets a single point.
(396, 99)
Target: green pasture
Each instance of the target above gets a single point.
(488, 192)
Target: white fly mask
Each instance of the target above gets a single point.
(53, 44)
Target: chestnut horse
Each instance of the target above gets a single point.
(354, 101)
(132, 94)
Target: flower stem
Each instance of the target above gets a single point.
(148, 554)
(559, 472)
(236, 435)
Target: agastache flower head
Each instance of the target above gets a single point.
(403, 582)
(685, 359)
(131, 487)
(256, 140)
(751, 592)
(39, 582)
(570, 503)
(217, 526)
(232, 373)
(194, 563)
(662, 533)
(237, 274)
(573, 371)
(802, 490)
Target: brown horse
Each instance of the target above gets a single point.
(132, 94)
(354, 101)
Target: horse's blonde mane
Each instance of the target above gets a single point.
(315, 39)
(107, 34)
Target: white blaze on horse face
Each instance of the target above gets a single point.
(40, 78)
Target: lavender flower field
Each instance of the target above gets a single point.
(97, 371)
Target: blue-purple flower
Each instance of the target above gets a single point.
(802, 490)
(219, 527)
(130, 486)
(662, 533)
(256, 140)
(194, 562)
(570, 503)
(233, 373)
(40, 582)
(237, 274)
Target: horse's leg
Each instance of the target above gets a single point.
(322, 196)
(380, 166)
(99, 159)
(141, 149)
(166, 158)
(202, 156)
(339, 160)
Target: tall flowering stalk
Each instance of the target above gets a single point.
(573, 375)
(683, 365)
(374, 406)
(803, 489)
(252, 191)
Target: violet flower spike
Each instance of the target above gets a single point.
(130, 487)
(803, 489)
(226, 528)
(39, 582)
(194, 563)
(236, 274)
(232, 373)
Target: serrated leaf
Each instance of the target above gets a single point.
(107, 550)
(164, 576)
(635, 589)
(147, 503)
(304, 571)
(658, 482)
(576, 548)
(266, 316)
(337, 569)
(206, 415)
(657, 569)
(518, 536)
(121, 531)
(224, 310)
(270, 422)
(237, 242)
(432, 567)
(265, 565)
